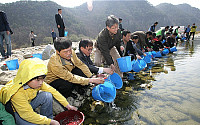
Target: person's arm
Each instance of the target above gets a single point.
(137, 50)
(6, 22)
(103, 47)
(87, 60)
(57, 20)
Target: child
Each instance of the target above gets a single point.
(24, 95)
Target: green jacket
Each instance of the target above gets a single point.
(6, 117)
(105, 43)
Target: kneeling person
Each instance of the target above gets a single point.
(21, 95)
(66, 71)
(85, 49)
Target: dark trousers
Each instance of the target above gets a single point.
(61, 32)
(192, 34)
(65, 87)
(33, 43)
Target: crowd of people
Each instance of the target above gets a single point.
(67, 70)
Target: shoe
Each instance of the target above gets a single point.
(74, 96)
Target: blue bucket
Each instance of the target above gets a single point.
(104, 92)
(65, 33)
(154, 53)
(38, 55)
(165, 51)
(12, 64)
(137, 67)
(150, 54)
(158, 54)
(116, 80)
(173, 49)
(147, 58)
(124, 64)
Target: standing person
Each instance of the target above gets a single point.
(60, 23)
(120, 24)
(32, 38)
(153, 27)
(53, 34)
(4, 34)
(108, 44)
(67, 72)
(187, 32)
(85, 49)
(193, 30)
(27, 91)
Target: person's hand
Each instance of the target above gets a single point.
(145, 54)
(7, 32)
(108, 70)
(138, 57)
(101, 76)
(149, 49)
(54, 122)
(58, 26)
(121, 48)
(70, 107)
(96, 80)
(112, 67)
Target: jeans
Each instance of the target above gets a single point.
(43, 99)
(4, 35)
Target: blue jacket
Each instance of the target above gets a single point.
(4, 25)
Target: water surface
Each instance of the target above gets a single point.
(171, 95)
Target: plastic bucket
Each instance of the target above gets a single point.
(147, 58)
(158, 54)
(165, 51)
(65, 33)
(116, 80)
(12, 64)
(70, 117)
(154, 53)
(38, 55)
(124, 64)
(104, 92)
(136, 66)
(173, 49)
(150, 54)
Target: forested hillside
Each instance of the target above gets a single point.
(80, 22)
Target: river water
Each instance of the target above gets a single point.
(167, 93)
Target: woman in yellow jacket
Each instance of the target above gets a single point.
(23, 93)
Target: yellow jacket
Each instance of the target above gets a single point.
(193, 28)
(61, 68)
(21, 98)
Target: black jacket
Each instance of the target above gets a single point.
(4, 25)
(86, 59)
(59, 21)
(105, 43)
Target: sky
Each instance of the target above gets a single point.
(73, 3)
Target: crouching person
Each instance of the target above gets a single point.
(21, 95)
(67, 72)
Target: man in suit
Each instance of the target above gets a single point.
(4, 34)
(60, 23)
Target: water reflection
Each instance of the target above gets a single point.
(167, 92)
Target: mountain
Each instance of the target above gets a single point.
(134, 14)
(39, 16)
(182, 14)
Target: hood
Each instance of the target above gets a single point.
(28, 69)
